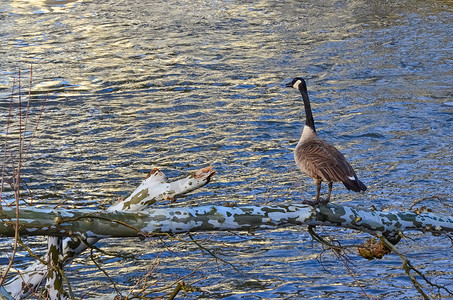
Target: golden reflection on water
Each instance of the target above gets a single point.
(43, 6)
(179, 85)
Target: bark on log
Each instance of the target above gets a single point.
(101, 224)
(130, 218)
(154, 188)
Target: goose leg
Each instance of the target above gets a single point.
(330, 191)
(318, 191)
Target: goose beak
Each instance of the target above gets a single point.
(289, 84)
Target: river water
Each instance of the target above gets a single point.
(180, 85)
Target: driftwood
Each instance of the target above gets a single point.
(73, 231)
(153, 189)
(88, 224)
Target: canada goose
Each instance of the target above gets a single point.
(318, 159)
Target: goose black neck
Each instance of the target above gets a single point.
(308, 114)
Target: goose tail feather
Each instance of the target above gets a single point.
(355, 185)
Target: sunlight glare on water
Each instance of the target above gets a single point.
(180, 85)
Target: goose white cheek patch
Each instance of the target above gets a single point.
(296, 84)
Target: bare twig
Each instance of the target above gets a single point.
(145, 284)
(407, 266)
(14, 161)
(5, 147)
(178, 287)
(434, 197)
(106, 274)
(15, 187)
(212, 254)
(340, 252)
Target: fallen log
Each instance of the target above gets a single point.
(102, 224)
(153, 189)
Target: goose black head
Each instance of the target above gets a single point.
(298, 83)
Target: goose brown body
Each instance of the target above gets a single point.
(317, 158)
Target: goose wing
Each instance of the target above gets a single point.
(322, 160)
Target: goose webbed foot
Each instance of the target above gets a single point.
(310, 202)
(316, 202)
(323, 201)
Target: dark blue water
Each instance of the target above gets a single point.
(182, 84)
